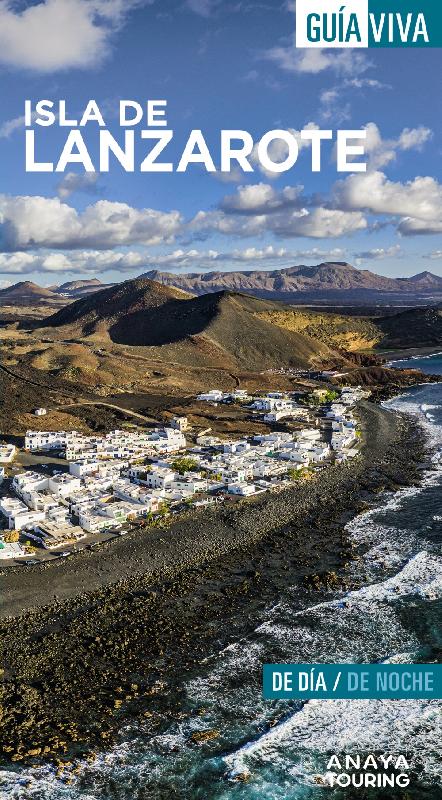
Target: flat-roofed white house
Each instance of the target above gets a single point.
(7, 453)
(81, 468)
(297, 456)
(240, 394)
(159, 478)
(242, 489)
(236, 447)
(64, 485)
(25, 518)
(93, 522)
(55, 534)
(212, 396)
(119, 511)
(11, 550)
(45, 440)
(10, 506)
(179, 423)
(310, 434)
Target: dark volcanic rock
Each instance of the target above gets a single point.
(158, 601)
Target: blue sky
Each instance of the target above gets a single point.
(219, 65)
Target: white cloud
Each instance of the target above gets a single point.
(344, 62)
(60, 34)
(261, 198)
(235, 175)
(316, 223)
(414, 138)
(79, 262)
(278, 150)
(332, 106)
(383, 151)
(319, 223)
(436, 254)
(418, 203)
(95, 262)
(412, 226)
(203, 8)
(379, 253)
(258, 208)
(12, 125)
(249, 256)
(78, 182)
(28, 222)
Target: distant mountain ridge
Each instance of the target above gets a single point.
(81, 287)
(27, 293)
(329, 280)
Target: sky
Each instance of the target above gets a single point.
(220, 64)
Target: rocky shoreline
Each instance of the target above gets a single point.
(112, 635)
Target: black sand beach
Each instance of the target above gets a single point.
(108, 635)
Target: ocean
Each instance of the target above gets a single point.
(282, 748)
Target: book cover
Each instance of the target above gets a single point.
(220, 400)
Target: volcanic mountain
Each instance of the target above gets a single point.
(416, 327)
(327, 282)
(82, 287)
(222, 329)
(27, 293)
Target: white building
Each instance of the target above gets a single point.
(93, 522)
(81, 468)
(45, 440)
(40, 412)
(240, 394)
(294, 413)
(337, 411)
(159, 478)
(7, 453)
(179, 423)
(297, 456)
(352, 394)
(11, 550)
(242, 489)
(236, 447)
(119, 511)
(267, 467)
(341, 440)
(25, 518)
(10, 507)
(55, 534)
(136, 494)
(207, 441)
(309, 434)
(213, 396)
(33, 489)
(64, 485)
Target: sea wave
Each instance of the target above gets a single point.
(413, 358)
(399, 567)
(334, 726)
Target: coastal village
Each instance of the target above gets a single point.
(136, 477)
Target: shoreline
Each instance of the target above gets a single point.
(409, 353)
(294, 538)
(149, 555)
